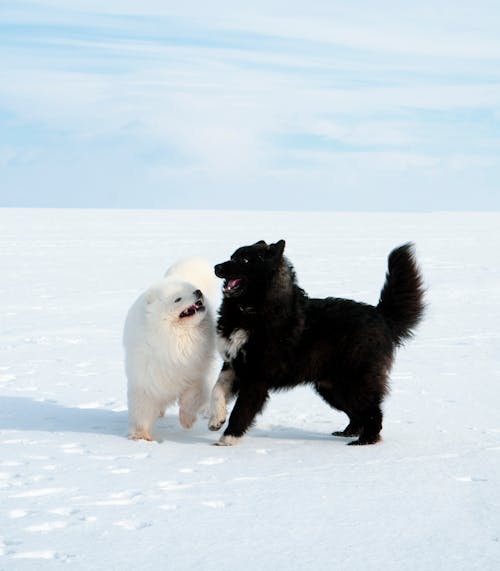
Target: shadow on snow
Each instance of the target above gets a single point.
(26, 414)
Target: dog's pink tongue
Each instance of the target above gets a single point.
(233, 283)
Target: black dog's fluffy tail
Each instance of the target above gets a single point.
(402, 297)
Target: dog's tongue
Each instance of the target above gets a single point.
(233, 283)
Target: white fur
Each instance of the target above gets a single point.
(199, 272)
(230, 347)
(168, 358)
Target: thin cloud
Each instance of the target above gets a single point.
(203, 98)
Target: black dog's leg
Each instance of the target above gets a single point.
(249, 403)
(371, 420)
(223, 392)
(329, 395)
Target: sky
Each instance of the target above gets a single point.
(283, 105)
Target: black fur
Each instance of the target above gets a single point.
(345, 349)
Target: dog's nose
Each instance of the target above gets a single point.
(198, 293)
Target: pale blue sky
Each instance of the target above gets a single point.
(361, 105)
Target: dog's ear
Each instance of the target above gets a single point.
(150, 296)
(277, 249)
(261, 243)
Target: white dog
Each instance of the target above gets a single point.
(169, 340)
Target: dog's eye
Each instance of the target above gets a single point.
(244, 260)
(177, 300)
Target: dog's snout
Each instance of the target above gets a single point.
(218, 269)
(198, 294)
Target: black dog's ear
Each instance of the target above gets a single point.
(261, 243)
(277, 249)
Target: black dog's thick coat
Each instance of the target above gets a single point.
(345, 349)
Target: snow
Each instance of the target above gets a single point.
(74, 490)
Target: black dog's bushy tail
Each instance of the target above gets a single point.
(402, 297)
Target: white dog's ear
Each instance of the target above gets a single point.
(150, 297)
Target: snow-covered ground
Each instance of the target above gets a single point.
(74, 490)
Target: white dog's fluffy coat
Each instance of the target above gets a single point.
(169, 340)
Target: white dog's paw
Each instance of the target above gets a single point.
(228, 441)
(140, 434)
(186, 419)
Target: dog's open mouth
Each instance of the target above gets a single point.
(192, 309)
(233, 285)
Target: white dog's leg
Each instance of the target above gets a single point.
(190, 402)
(142, 412)
(221, 395)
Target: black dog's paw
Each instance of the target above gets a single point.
(346, 433)
(365, 440)
(216, 425)
(352, 429)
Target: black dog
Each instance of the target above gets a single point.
(272, 337)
